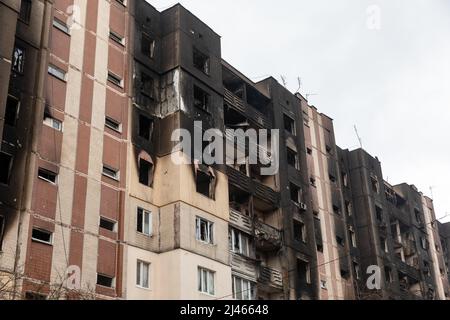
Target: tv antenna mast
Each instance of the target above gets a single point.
(299, 80)
(283, 80)
(359, 138)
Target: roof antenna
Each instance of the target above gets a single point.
(359, 138)
(283, 79)
(299, 80)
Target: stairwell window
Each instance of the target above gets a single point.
(243, 289)
(206, 281)
(105, 281)
(47, 175)
(62, 26)
(144, 222)
(239, 242)
(204, 230)
(57, 72)
(142, 274)
(113, 124)
(42, 236)
(116, 37)
(52, 123)
(115, 79)
(107, 224)
(111, 173)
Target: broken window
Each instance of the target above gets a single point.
(340, 241)
(47, 175)
(110, 172)
(201, 99)
(206, 281)
(142, 274)
(303, 272)
(239, 242)
(25, 11)
(107, 224)
(332, 178)
(105, 281)
(205, 183)
(352, 236)
(204, 230)
(35, 296)
(379, 214)
(323, 284)
(289, 125)
(349, 208)
(5, 167)
(147, 85)
(201, 61)
(146, 169)
(145, 127)
(336, 210)
(425, 243)
(292, 158)
(295, 192)
(42, 236)
(18, 61)
(243, 289)
(144, 222)
(148, 46)
(375, 185)
(418, 215)
(299, 231)
(12, 110)
(2, 230)
(312, 181)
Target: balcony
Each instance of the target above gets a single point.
(244, 265)
(407, 269)
(409, 247)
(240, 221)
(248, 110)
(270, 280)
(267, 238)
(253, 187)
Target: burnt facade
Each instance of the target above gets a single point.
(99, 198)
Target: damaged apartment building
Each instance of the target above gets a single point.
(92, 201)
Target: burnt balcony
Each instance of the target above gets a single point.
(247, 109)
(407, 269)
(241, 221)
(409, 248)
(244, 265)
(247, 184)
(270, 280)
(267, 238)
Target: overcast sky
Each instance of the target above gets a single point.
(389, 77)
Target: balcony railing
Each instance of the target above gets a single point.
(244, 265)
(240, 221)
(270, 277)
(248, 110)
(267, 237)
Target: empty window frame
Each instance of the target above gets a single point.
(203, 182)
(204, 230)
(418, 215)
(29, 295)
(299, 231)
(379, 214)
(352, 236)
(116, 37)
(115, 79)
(349, 208)
(206, 281)
(375, 184)
(12, 110)
(6, 162)
(145, 172)
(357, 270)
(105, 281)
(144, 222)
(303, 272)
(25, 11)
(42, 236)
(47, 175)
(292, 158)
(243, 289)
(323, 284)
(145, 127)
(52, 122)
(113, 124)
(111, 173)
(107, 224)
(147, 85)
(142, 274)
(201, 61)
(18, 62)
(239, 242)
(345, 179)
(388, 274)
(384, 244)
(340, 241)
(201, 99)
(296, 193)
(60, 25)
(148, 46)
(57, 72)
(424, 242)
(2, 230)
(289, 125)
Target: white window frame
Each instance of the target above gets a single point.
(243, 245)
(109, 121)
(42, 241)
(57, 72)
(206, 279)
(142, 267)
(47, 180)
(246, 291)
(51, 122)
(61, 26)
(209, 230)
(114, 177)
(145, 213)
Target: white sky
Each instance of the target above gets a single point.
(393, 83)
